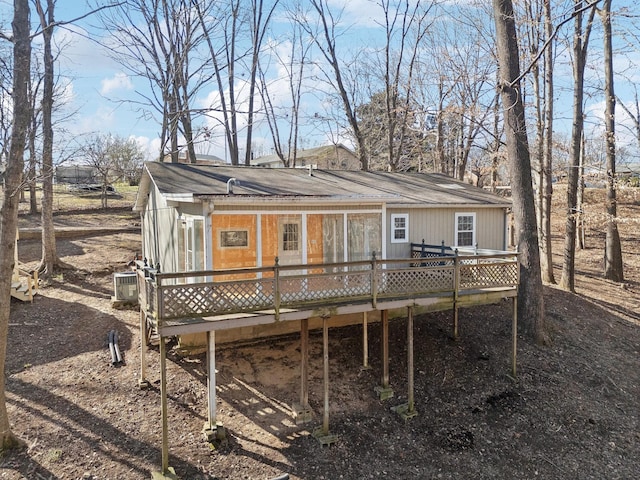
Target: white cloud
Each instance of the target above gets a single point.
(150, 146)
(119, 81)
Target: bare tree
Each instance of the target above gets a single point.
(540, 36)
(546, 167)
(35, 86)
(633, 111)
(530, 299)
(406, 25)
(112, 158)
(6, 112)
(50, 259)
(259, 21)
(613, 269)
(158, 40)
(581, 36)
(278, 117)
(325, 36)
(464, 67)
(224, 61)
(13, 185)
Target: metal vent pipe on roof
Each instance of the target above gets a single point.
(230, 183)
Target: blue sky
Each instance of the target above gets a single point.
(95, 85)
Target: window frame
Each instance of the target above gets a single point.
(223, 232)
(457, 231)
(394, 229)
(291, 237)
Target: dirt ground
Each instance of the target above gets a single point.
(572, 412)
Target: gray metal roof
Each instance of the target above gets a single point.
(406, 189)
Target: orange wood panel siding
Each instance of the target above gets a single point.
(234, 256)
(315, 252)
(269, 239)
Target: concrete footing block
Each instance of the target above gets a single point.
(404, 412)
(384, 393)
(215, 435)
(325, 438)
(170, 474)
(301, 414)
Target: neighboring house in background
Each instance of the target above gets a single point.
(328, 157)
(207, 217)
(76, 174)
(201, 159)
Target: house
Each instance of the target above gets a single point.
(213, 217)
(327, 157)
(201, 159)
(244, 252)
(76, 174)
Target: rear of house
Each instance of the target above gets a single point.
(205, 217)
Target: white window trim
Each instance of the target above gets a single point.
(394, 229)
(473, 232)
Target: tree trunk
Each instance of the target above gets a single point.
(49, 253)
(613, 250)
(546, 187)
(13, 184)
(441, 162)
(580, 42)
(31, 180)
(581, 226)
(495, 154)
(530, 299)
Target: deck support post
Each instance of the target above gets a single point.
(384, 391)
(322, 433)
(142, 381)
(163, 406)
(301, 411)
(514, 335)
(211, 379)
(213, 430)
(456, 293)
(407, 410)
(365, 341)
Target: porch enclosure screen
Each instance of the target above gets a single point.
(191, 246)
(333, 238)
(364, 236)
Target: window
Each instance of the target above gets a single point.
(291, 237)
(234, 238)
(465, 230)
(400, 228)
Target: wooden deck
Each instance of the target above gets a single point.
(180, 303)
(208, 301)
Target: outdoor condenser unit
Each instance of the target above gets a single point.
(125, 285)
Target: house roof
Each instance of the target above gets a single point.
(189, 183)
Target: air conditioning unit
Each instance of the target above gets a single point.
(125, 285)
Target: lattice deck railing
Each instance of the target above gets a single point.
(216, 292)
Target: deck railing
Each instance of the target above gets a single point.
(168, 296)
